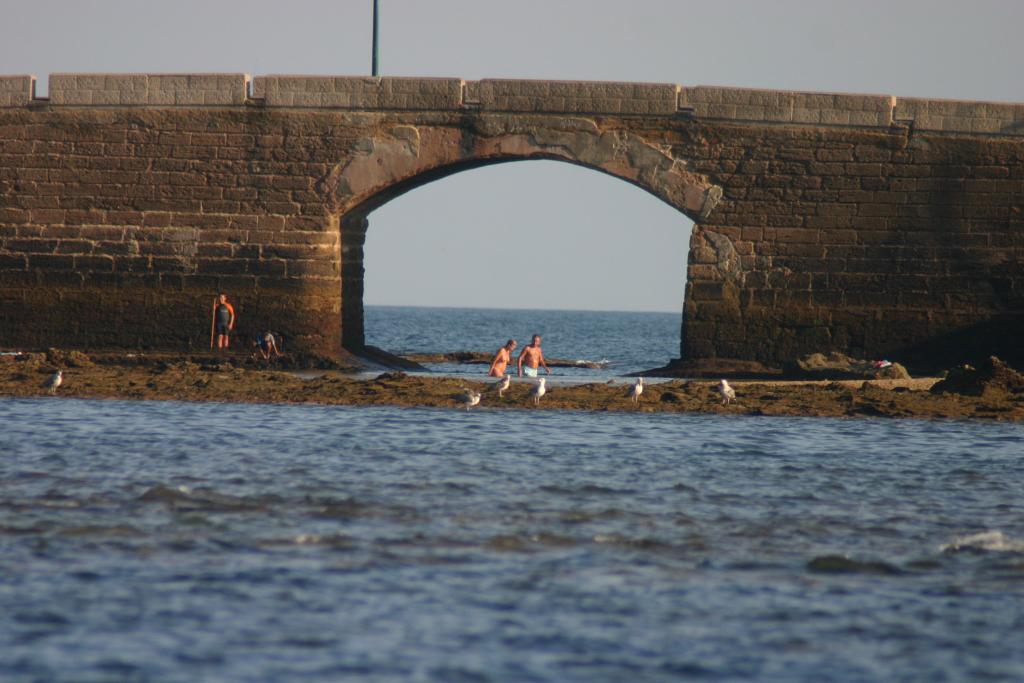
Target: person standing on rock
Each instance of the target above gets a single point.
(533, 357)
(223, 321)
(501, 359)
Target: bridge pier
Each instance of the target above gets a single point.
(353, 238)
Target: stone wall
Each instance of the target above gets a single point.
(879, 244)
(17, 91)
(118, 226)
(871, 224)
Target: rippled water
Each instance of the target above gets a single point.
(158, 541)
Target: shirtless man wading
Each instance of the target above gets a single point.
(533, 357)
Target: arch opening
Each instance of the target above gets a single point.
(492, 236)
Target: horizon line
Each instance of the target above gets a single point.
(530, 308)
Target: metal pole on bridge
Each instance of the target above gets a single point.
(375, 66)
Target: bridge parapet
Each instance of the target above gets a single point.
(522, 96)
(149, 89)
(17, 91)
(574, 97)
(346, 92)
(954, 116)
(780, 106)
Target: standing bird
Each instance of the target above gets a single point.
(727, 392)
(638, 388)
(502, 384)
(538, 391)
(56, 379)
(470, 399)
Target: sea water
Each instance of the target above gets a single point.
(165, 541)
(622, 343)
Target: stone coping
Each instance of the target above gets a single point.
(522, 96)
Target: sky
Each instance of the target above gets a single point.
(538, 234)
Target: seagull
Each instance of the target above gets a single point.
(538, 391)
(638, 388)
(470, 399)
(727, 392)
(56, 379)
(502, 384)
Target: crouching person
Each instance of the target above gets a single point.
(266, 346)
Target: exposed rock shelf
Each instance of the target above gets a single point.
(24, 376)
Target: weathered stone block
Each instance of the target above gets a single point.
(88, 264)
(17, 91)
(961, 116)
(788, 107)
(349, 92)
(148, 89)
(51, 262)
(31, 246)
(573, 96)
(13, 261)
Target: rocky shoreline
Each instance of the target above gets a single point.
(992, 391)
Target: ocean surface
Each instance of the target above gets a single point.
(171, 541)
(623, 342)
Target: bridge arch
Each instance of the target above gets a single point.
(404, 157)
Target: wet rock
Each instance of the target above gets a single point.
(68, 359)
(729, 368)
(32, 361)
(185, 380)
(507, 543)
(991, 377)
(164, 494)
(839, 564)
(894, 371)
(867, 410)
(391, 377)
(836, 366)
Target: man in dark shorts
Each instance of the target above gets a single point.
(223, 321)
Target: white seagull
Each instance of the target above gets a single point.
(470, 399)
(538, 391)
(638, 388)
(56, 379)
(727, 392)
(502, 384)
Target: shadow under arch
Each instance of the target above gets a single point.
(406, 157)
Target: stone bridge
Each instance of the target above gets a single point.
(870, 224)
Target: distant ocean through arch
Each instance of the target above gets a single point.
(626, 342)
